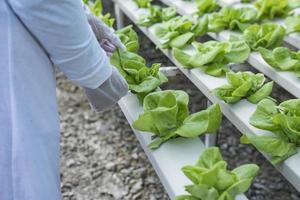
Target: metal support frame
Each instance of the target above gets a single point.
(119, 16)
(211, 139)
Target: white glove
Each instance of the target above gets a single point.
(109, 93)
(102, 32)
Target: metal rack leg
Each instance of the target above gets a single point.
(119, 16)
(210, 139)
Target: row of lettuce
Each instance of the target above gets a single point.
(178, 34)
(166, 114)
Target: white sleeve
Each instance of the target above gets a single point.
(61, 27)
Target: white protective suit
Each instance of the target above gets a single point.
(35, 35)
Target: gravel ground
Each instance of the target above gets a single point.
(102, 160)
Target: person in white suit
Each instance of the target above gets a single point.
(36, 36)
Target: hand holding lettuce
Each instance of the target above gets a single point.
(166, 115)
(129, 38)
(212, 180)
(141, 79)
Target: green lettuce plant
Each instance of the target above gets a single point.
(212, 180)
(268, 35)
(200, 26)
(292, 24)
(244, 85)
(282, 58)
(157, 14)
(283, 121)
(143, 3)
(175, 33)
(213, 57)
(232, 18)
(97, 8)
(166, 115)
(271, 8)
(129, 38)
(141, 79)
(206, 6)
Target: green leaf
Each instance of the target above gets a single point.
(281, 58)
(168, 13)
(140, 78)
(262, 93)
(207, 121)
(212, 57)
(173, 28)
(182, 40)
(273, 146)
(236, 189)
(193, 173)
(166, 115)
(201, 26)
(213, 181)
(244, 85)
(290, 107)
(143, 3)
(210, 157)
(225, 93)
(292, 24)
(186, 197)
(263, 115)
(247, 171)
(181, 57)
(269, 35)
(156, 14)
(237, 52)
(202, 192)
(206, 6)
(271, 8)
(232, 18)
(129, 38)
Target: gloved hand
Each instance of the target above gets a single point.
(103, 32)
(109, 93)
(108, 47)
